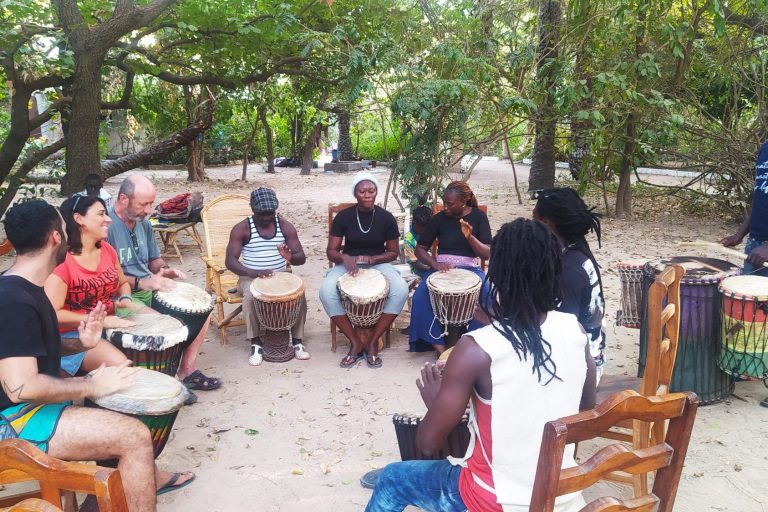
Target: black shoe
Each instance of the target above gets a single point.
(764, 402)
(369, 479)
(190, 398)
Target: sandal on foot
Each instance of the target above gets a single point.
(171, 484)
(257, 356)
(197, 380)
(373, 361)
(351, 360)
(301, 352)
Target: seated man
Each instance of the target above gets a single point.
(531, 365)
(259, 246)
(36, 405)
(130, 233)
(94, 188)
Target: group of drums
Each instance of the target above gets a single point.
(723, 323)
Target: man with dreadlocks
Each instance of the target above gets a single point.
(529, 366)
(566, 214)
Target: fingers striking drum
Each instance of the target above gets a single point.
(155, 342)
(153, 398)
(278, 301)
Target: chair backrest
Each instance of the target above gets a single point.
(666, 458)
(219, 217)
(333, 210)
(18, 457)
(437, 208)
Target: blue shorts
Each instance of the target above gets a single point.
(35, 423)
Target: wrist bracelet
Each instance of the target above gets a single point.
(125, 297)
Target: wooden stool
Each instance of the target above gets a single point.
(169, 233)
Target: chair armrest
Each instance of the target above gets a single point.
(213, 265)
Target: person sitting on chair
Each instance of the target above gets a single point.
(35, 404)
(569, 218)
(419, 220)
(259, 246)
(463, 236)
(89, 274)
(370, 237)
(530, 366)
(94, 188)
(130, 233)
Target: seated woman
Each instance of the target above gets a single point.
(530, 366)
(90, 274)
(463, 236)
(370, 238)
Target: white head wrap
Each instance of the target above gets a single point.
(364, 176)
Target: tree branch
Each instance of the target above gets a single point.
(755, 23)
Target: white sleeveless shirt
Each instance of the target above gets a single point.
(261, 253)
(521, 405)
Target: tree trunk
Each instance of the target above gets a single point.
(29, 163)
(624, 192)
(309, 147)
(18, 133)
(196, 159)
(268, 139)
(83, 135)
(542, 174)
(346, 152)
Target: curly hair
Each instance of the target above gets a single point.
(29, 224)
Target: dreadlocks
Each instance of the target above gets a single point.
(466, 194)
(572, 220)
(524, 276)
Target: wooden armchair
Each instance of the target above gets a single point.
(219, 217)
(666, 458)
(21, 461)
(437, 208)
(663, 332)
(333, 210)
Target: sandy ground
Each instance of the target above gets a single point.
(319, 428)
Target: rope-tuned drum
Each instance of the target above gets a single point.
(155, 342)
(188, 303)
(744, 342)
(363, 296)
(278, 300)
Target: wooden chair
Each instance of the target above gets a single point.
(663, 332)
(666, 457)
(333, 210)
(437, 208)
(32, 505)
(219, 217)
(21, 461)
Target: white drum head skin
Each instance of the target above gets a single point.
(187, 298)
(152, 332)
(455, 280)
(746, 286)
(368, 285)
(152, 393)
(279, 284)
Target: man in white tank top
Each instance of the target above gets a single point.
(258, 246)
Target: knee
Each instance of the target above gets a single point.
(134, 435)
(328, 291)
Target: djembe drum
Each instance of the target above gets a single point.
(631, 278)
(278, 301)
(454, 295)
(698, 350)
(744, 341)
(153, 398)
(155, 342)
(406, 426)
(363, 296)
(187, 303)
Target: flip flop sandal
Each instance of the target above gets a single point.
(351, 360)
(373, 361)
(301, 352)
(197, 380)
(171, 485)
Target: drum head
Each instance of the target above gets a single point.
(753, 287)
(636, 263)
(186, 297)
(279, 284)
(455, 280)
(151, 332)
(698, 269)
(368, 285)
(152, 393)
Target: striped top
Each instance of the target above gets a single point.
(261, 253)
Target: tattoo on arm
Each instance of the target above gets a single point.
(14, 392)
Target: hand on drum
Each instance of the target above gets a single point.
(90, 328)
(466, 228)
(443, 267)
(759, 255)
(731, 241)
(429, 383)
(157, 282)
(107, 380)
(113, 322)
(285, 252)
(172, 273)
(350, 263)
(257, 274)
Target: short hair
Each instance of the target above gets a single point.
(93, 177)
(462, 188)
(77, 204)
(127, 187)
(29, 224)
(421, 215)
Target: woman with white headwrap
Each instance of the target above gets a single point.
(369, 237)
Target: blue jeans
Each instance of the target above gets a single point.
(431, 485)
(750, 269)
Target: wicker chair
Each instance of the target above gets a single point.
(219, 217)
(21, 461)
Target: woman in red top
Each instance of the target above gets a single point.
(90, 274)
